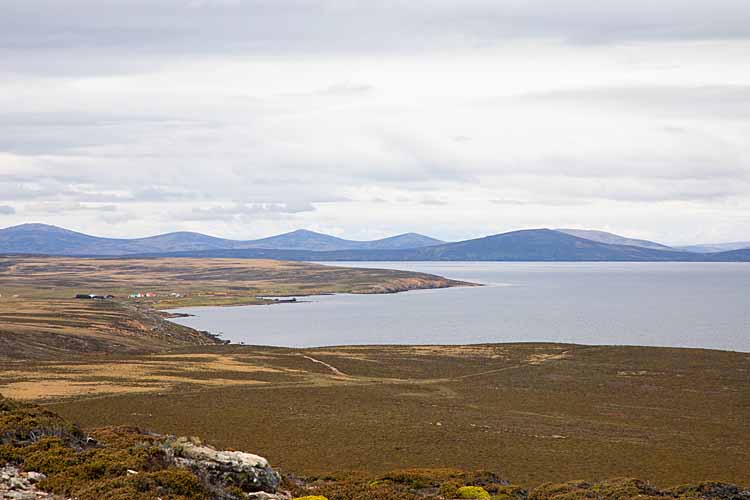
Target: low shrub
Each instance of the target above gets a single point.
(476, 492)
(120, 463)
(22, 423)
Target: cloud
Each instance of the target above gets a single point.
(7, 210)
(50, 207)
(79, 133)
(344, 89)
(434, 202)
(635, 190)
(725, 101)
(159, 194)
(258, 116)
(513, 203)
(115, 218)
(88, 37)
(244, 211)
(321, 26)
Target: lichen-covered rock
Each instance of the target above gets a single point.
(35, 477)
(262, 495)
(245, 471)
(18, 485)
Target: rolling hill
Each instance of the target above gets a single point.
(53, 240)
(613, 239)
(303, 239)
(716, 247)
(402, 241)
(540, 245)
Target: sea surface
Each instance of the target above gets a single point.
(657, 304)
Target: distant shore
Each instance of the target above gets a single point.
(40, 318)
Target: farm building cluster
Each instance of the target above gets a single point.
(136, 295)
(149, 295)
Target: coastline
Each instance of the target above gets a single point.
(138, 294)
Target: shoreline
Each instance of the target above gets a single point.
(230, 343)
(270, 298)
(41, 319)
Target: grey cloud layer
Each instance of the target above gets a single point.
(269, 113)
(725, 101)
(195, 26)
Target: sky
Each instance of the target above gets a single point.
(362, 119)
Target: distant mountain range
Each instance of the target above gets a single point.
(526, 245)
(53, 240)
(310, 240)
(531, 245)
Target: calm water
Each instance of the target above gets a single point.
(661, 304)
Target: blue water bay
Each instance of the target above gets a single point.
(657, 304)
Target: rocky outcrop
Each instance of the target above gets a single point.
(18, 485)
(244, 471)
(43, 455)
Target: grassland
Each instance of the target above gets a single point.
(531, 412)
(40, 319)
(41, 451)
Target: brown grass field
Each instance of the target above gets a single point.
(531, 412)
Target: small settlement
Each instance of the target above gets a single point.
(91, 296)
(136, 295)
(149, 295)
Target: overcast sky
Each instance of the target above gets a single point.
(461, 118)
